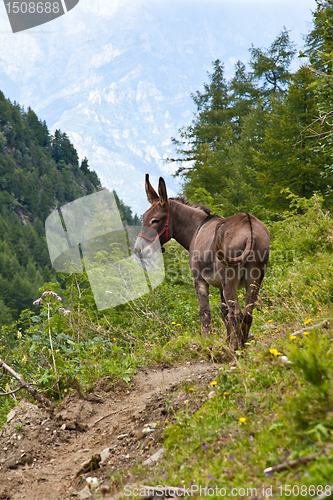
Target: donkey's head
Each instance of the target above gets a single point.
(155, 221)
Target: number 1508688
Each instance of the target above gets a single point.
(295, 491)
(33, 7)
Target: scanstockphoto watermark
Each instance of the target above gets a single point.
(264, 492)
(197, 490)
(24, 15)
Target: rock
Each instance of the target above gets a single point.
(85, 493)
(105, 456)
(211, 394)
(11, 415)
(122, 436)
(285, 360)
(156, 457)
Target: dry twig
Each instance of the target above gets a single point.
(34, 393)
(298, 461)
(109, 415)
(324, 323)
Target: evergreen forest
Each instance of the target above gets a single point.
(267, 132)
(38, 173)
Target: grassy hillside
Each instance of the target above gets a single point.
(269, 404)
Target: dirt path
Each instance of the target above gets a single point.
(42, 453)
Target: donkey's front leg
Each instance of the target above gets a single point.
(202, 291)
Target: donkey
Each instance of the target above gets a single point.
(226, 253)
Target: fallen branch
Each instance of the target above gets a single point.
(34, 393)
(11, 392)
(324, 323)
(108, 415)
(294, 463)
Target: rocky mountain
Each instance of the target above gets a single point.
(117, 76)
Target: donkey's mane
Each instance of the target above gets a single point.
(182, 200)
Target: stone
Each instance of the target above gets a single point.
(105, 456)
(156, 457)
(85, 493)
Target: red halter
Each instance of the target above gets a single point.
(164, 230)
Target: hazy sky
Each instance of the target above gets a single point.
(117, 76)
(228, 27)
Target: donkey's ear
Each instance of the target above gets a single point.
(162, 192)
(150, 191)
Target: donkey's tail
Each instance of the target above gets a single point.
(220, 253)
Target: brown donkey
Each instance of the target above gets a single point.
(227, 253)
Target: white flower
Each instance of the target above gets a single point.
(92, 482)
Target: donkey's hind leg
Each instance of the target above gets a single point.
(252, 291)
(224, 315)
(234, 318)
(202, 291)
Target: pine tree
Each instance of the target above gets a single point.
(271, 66)
(287, 159)
(319, 50)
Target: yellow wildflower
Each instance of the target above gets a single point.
(307, 321)
(275, 352)
(242, 419)
(269, 321)
(19, 335)
(213, 383)
(225, 393)
(173, 322)
(306, 333)
(191, 389)
(292, 337)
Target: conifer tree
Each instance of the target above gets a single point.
(287, 159)
(271, 66)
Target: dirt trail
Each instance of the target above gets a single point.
(43, 452)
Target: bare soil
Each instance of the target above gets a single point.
(47, 455)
